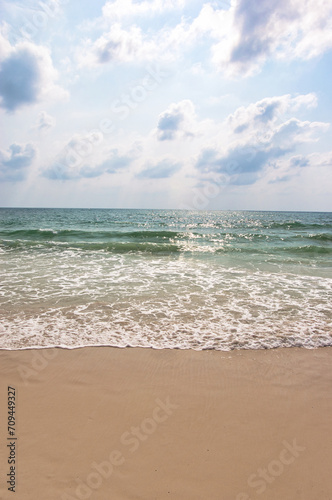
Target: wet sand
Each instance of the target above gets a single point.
(105, 423)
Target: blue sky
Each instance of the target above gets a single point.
(166, 104)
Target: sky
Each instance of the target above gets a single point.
(223, 105)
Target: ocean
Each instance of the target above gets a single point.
(165, 278)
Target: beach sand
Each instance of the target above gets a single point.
(107, 423)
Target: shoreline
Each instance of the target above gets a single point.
(182, 349)
(151, 423)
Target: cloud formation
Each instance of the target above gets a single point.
(241, 37)
(123, 45)
(178, 121)
(15, 161)
(122, 41)
(264, 113)
(76, 159)
(45, 122)
(27, 75)
(260, 141)
(120, 9)
(292, 167)
(242, 164)
(162, 170)
(259, 136)
(250, 32)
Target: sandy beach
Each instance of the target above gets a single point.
(106, 423)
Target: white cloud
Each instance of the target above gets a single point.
(15, 161)
(133, 44)
(121, 42)
(261, 115)
(159, 170)
(240, 149)
(27, 75)
(260, 138)
(86, 155)
(294, 130)
(119, 9)
(250, 32)
(5, 46)
(118, 44)
(261, 142)
(45, 122)
(242, 37)
(320, 159)
(285, 169)
(178, 121)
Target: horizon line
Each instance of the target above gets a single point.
(178, 209)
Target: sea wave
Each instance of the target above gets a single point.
(169, 246)
(75, 234)
(116, 247)
(296, 225)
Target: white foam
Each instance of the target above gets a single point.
(175, 302)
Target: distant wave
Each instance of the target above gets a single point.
(116, 247)
(165, 247)
(296, 225)
(79, 235)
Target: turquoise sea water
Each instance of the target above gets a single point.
(165, 278)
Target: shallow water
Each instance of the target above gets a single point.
(165, 278)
